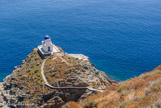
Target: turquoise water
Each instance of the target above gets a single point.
(121, 37)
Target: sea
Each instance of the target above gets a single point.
(121, 37)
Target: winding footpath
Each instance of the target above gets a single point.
(52, 87)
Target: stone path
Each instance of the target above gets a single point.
(52, 87)
(42, 71)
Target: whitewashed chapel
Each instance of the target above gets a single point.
(47, 48)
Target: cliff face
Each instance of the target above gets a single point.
(139, 92)
(25, 86)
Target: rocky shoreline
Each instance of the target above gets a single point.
(3, 95)
(24, 86)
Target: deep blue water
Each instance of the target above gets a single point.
(121, 37)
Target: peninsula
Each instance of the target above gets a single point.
(50, 77)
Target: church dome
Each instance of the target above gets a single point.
(46, 37)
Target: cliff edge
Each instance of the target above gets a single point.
(139, 92)
(25, 87)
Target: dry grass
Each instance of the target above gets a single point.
(57, 68)
(139, 92)
(30, 79)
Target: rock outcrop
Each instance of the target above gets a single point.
(139, 92)
(25, 86)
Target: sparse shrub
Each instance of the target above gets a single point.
(126, 102)
(135, 98)
(25, 75)
(94, 85)
(37, 64)
(137, 84)
(123, 104)
(158, 105)
(37, 58)
(121, 88)
(146, 91)
(90, 104)
(124, 93)
(53, 75)
(153, 78)
(151, 74)
(36, 71)
(154, 89)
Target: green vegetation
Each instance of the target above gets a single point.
(155, 72)
(58, 68)
(123, 104)
(138, 92)
(121, 88)
(29, 77)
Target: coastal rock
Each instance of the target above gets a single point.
(143, 91)
(3, 99)
(25, 85)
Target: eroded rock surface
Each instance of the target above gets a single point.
(24, 87)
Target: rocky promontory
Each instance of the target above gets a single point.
(143, 91)
(25, 86)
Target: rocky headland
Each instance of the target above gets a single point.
(25, 86)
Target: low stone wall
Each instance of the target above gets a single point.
(41, 53)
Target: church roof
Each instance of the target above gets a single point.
(46, 37)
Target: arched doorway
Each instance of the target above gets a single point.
(49, 49)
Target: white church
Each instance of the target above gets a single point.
(47, 48)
